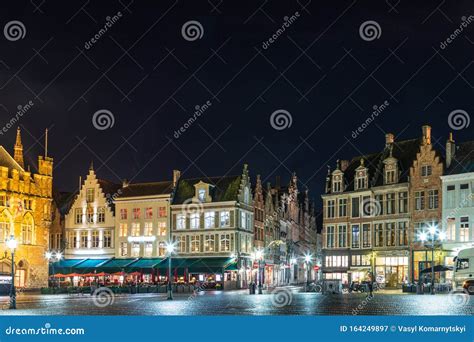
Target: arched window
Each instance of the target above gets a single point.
(27, 230)
(5, 226)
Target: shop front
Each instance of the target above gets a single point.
(422, 259)
(391, 269)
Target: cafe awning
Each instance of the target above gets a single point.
(437, 268)
(144, 264)
(90, 265)
(116, 265)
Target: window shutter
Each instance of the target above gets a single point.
(232, 218)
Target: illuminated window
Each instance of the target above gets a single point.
(194, 220)
(90, 194)
(202, 195)
(148, 249)
(123, 214)
(243, 219)
(390, 234)
(378, 235)
(161, 249)
(180, 221)
(148, 230)
(182, 244)
(162, 212)
(101, 215)
(419, 200)
(4, 227)
(426, 170)
(123, 249)
(403, 202)
(402, 233)
(209, 220)
(464, 229)
(331, 212)
(366, 236)
(78, 215)
(161, 228)
(27, 231)
(148, 213)
(433, 200)
(225, 219)
(225, 242)
(343, 207)
(95, 239)
(451, 229)
(84, 239)
(195, 244)
(342, 236)
(136, 213)
(135, 229)
(123, 230)
(90, 215)
(209, 243)
(355, 236)
(107, 242)
(135, 249)
(330, 236)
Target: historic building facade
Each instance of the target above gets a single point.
(25, 214)
(143, 219)
(458, 200)
(213, 217)
(368, 205)
(90, 222)
(426, 200)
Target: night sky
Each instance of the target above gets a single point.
(320, 70)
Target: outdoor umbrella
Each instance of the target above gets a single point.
(59, 275)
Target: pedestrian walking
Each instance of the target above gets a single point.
(371, 285)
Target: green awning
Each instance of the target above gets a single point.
(89, 266)
(116, 265)
(179, 263)
(64, 266)
(210, 265)
(144, 263)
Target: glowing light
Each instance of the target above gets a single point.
(170, 247)
(432, 230)
(307, 258)
(48, 255)
(292, 261)
(259, 254)
(12, 243)
(141, 238)
(422, 237)
(59, 256)
(442, 236)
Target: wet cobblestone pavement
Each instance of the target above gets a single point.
(285, 301)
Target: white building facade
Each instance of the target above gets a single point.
(90, 223)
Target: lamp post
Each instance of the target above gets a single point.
(53, 257)
(12, 244)
(259, 257)
(170, 249)
(433, 235)
(307, 261)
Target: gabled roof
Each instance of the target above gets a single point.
(223, 188)
(64, 201)
(7, 160)
(463, 161)
(404, 151)
(147, 189)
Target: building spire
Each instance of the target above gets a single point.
(91, 167)
(18, 149)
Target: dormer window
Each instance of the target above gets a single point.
(390, 177)
(202, 195)
(361, 180)
(337, 183)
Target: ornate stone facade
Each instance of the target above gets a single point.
(25, 213)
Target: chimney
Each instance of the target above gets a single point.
(344, 164)
(450, 150)
(426, 135)
(176, 176)
(389, 139)
(125, 183)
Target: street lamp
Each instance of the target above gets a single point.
(12, 244)
(53, 257)
(307, 261)
(259, 257)
(432, 236)
(170, 249)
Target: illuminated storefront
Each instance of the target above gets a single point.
(391, 270)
